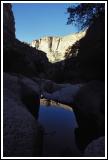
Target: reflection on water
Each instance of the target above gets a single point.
(59, 125)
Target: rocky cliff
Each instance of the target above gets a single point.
(22, 134)
(19, 57)
(8, 22)
(55, 47)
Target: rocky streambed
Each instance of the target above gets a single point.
(46, 126)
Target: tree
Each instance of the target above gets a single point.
(84, 14)
(72, 51)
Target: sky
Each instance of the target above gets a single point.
(35, 20)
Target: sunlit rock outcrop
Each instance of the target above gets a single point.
(55, 47)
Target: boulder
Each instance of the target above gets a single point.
(50, 86)
(22, 134)
(64, 94)
(30, 95)
(96, 148)
(89, 109)
(23, 90)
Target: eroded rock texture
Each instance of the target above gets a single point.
(56, 47)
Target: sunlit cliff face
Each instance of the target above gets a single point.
(55, 47)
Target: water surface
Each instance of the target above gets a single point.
(59, 125)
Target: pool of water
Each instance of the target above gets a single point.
(59, 125)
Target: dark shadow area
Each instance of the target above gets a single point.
(27, 70)
(89, 64)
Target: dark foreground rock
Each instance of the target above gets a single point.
(89, 108)
(8, 22)
(19, 57)
(96, 148)
(22, 134)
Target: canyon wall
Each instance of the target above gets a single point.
(20, 139)
(56, 47)
(8, 23)
(19, 57)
